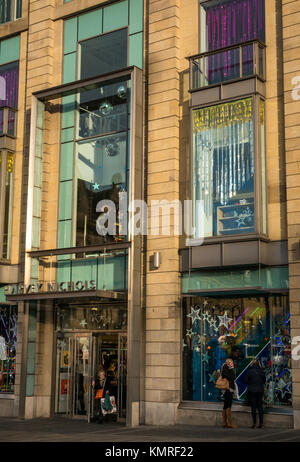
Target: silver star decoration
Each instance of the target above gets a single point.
(189, 333)
(205, 303)
(240, 221)
(83, 323)
(197, 348)
(205, 316)
(96, 187)
(224, 320)
(212, 323)
(211, 378)
(205, 358)
(183, 344)
(194, 314)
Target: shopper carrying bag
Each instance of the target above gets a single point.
(227, 372)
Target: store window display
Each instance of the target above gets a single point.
(8, 346)
(223, 165)
(215, 329)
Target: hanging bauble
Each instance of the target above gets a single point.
(111, 149)
(105, 108)
(122, 92)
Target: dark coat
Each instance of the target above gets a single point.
(106, 385)
(255, 379)
(228, 374)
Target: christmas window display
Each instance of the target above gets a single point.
(8, 345)
(223, 165)
(215, 329)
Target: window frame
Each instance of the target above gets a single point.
(13, 11)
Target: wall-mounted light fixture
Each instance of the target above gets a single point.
(156, 260)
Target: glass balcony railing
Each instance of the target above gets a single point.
(10, 10)
(8, 121)
(231, 63)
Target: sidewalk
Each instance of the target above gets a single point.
(64, 430)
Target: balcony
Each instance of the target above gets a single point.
(8, 128)
(10, 10)
(228, 64)
(8, 119)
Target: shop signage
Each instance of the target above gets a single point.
(42, 287)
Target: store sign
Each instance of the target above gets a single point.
(23, 289)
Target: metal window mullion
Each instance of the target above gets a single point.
(241, 60)
(13, 10)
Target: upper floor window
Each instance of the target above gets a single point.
(232, 36)
(10, 10)
(9, 85)
(225, 23)
(103, 54)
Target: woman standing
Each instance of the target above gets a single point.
(228, 373)
(101, 385)
(255, 379)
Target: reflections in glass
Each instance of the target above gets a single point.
(103, 110)
(101, 175)
(95, 317)
(103, 54)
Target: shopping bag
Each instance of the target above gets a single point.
(108, 405)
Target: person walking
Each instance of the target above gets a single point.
(101, 386)
(228, 373)
(255, 380)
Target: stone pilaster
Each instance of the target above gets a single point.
(291, 63)
(167, 30)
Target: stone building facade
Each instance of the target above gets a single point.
(165, 100)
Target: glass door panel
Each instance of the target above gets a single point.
(73, 375)
(110, 353)
(122, 376)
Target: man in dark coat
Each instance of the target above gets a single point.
(255, 380)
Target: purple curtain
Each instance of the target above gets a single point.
(10, 73)
(228, 24)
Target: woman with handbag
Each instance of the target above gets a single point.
(101, 386)
(228, 373)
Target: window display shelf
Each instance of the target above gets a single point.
(233, 218)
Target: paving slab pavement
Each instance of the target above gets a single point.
(65, 430)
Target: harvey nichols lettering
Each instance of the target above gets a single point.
(17, 289)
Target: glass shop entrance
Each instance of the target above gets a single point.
(79, 357)
(90, 335)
